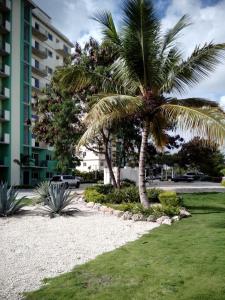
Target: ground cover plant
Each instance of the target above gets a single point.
(185, 261)
(127, 199)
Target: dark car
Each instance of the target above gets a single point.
(196, 175)
(186, 178)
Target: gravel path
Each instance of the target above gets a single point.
(33, 247)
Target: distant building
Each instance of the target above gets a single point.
(30, 50)
(90, 161)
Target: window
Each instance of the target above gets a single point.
(57, 40)
(50, 37)
(26, 73)
(50, 53)
(35, 175)
(66, 49)
(26, 93)
(84, 164)
(36, 45)
(26, 52)
(50, 71)
(65, 177)
(36, 82)
(102, 164)
(36, 64)
(84, 154)
(26, 32)
(36, 25)
(48, 157)
(57, 57)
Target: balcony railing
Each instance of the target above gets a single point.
(4, 49)
(39, 50)
(4, 93)
(4, 70)
(62, 49)
(39, 69)
(5, 138)
(40, 33)
(4, 115)
(5, 5)
(4, 162)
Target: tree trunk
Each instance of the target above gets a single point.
(109, 165)
(142, 184)
(118, 177)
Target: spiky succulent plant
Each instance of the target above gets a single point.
(9, 204)
(58, 200)
(42, 191)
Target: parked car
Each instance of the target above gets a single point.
(196, 175)
(187, 178)
(68, 180)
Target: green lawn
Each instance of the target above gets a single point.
(184, 261)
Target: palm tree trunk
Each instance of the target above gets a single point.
(142, 185)
(109, 165)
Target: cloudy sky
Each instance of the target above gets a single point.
(72, 17)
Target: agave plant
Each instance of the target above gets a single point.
(9, 204)
(42, 190)
(58, 200)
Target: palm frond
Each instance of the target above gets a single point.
(109, 30)
(122, 76)
(172, 34)
(198, 66)
(140, 40)
(207, 122)
(194, 102)
(114, 108)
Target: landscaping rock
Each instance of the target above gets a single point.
(184, 213)
(161, 219)
(127, 215)
(175, 218)
(118, 213)
(97, 206)
(108, 210)
(103, 208)
(151, 218)
(138, 217)
(167, 221)
(90, 204)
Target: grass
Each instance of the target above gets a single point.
(182, 262)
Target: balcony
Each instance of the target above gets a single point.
(4, 116)
(39, 50)
(40, 33)
(52, 164)
(4, 49)
(5, 27)
(39, 69)
(62, 49)
(4, 162)
(5, 5)
(4, 71)
(37, 86)
(5, 138)
(38, 145)
(4, 93)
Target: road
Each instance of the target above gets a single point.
(180, 187)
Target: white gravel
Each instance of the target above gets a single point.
(33, 247)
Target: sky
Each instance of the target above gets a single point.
(72, 17)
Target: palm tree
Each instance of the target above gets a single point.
(150, 68)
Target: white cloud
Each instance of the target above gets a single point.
(208, 25)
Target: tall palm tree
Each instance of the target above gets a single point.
(150, 68)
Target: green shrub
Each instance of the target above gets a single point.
(104, 189)
(153, 194)
(223, 183)
(170, 198)
(127, 195)
(9, 204)
(127, 183)
(171, 210)
(91, 195)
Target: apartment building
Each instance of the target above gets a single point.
(30, 50)
(90, 161)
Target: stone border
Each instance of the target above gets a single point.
(135, 217)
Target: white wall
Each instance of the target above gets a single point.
(125, 173)
(15, 93)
